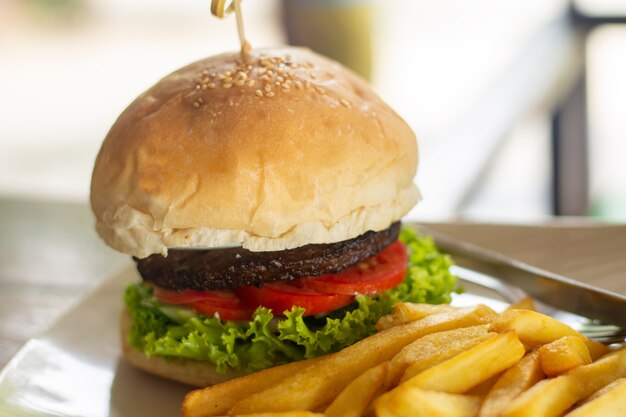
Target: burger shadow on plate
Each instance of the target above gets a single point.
(134, 393)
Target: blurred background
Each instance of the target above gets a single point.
(519, 105)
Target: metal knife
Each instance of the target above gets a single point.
(552, 289)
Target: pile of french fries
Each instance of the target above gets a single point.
(438, 361)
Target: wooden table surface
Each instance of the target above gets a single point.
(50, 256)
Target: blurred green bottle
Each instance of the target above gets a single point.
(339, 29)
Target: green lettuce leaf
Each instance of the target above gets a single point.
(177, 332)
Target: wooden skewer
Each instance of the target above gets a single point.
(221, 10)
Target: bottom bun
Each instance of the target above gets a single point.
(194, 373)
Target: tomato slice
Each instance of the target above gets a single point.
(373, 275)
(224, 303)
(235, 311)
(225, 298)
(282, 296)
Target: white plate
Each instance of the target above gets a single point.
(75, 367)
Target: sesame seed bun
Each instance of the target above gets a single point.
(279, 150)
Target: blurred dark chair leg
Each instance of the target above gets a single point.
(570, 161)
(570, 143)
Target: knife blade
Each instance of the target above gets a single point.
(550, 288)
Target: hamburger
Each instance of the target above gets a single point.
(260, 197)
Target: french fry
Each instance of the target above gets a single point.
(552, 397)
(484, 387)
(536, 329)
(218, 399)
(549, 397)
(562, 355)
(604, 390)
(406, 312)
(415, 402)
(318, 385)
(525, 303)
(285, 414)
(433, 349)
(472, 367)
(591, 378)
(358, 395)
(513, 382)
(610, 401)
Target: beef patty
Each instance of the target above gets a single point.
(217, 269)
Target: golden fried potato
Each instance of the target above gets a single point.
(515, 380)
(552, 397)
(549, 397)
(318, 385)
(562, 355)
(535, 329)
(406, 401)
(433, 349)
(610, 401)
(285, 414)
(406, 312)
(359, 394)
(525, 303)
(218, 399)
(472, 367)
(484, 387)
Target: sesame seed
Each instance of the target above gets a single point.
(345, 103)
(196, 104)
(272, 75)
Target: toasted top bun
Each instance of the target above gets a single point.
(277, 150)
